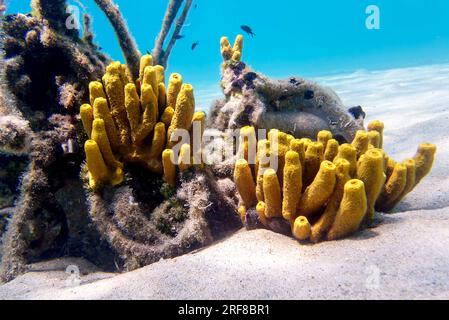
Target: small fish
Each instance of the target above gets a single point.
(196, 6)
(178, 37)
(148, 51)
(194, 45)
(248, 30)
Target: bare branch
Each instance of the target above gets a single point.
(88, 36)
(126, 41)
(55, 12)
(169, 18)
(179, 25)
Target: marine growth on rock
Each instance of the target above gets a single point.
(135, 130)
(297, 106)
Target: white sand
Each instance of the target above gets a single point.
(406, 256)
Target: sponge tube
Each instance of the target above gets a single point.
(352, 211)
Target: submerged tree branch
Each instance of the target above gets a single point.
(55, 12)
(179, 25)
(170, 16)
(127, 43)
(88, 35)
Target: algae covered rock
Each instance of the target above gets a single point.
(296, 106)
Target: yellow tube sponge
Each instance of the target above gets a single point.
(150, 78)
(320, 191)
(197, 131)
(389, 167)
(259, 184)
(410, 164)
(242, 213)
(331, 150)
(114, 89)
(174, 87)
(314, 158)
(87, 117)
(226, 49)
(278, 148)
(129, 120)
(101, 111)
(248, 144)
(301, 229)
(272, 194)
(168, 158)
(323, 137)
(238, 44)
(323, 225)
(96, 90)
(243, 179)
(393, 189)
(132, 106)
(361, 143)
(185, 157)
(371, 172)
(167, 116)
(306, 142)
(145, 61)
(348, 152)
(292, 185)
(200, 117)
(185, 108)
(263, 162)
(237, 56)
(379, 127)
(100, 136)
(374, 139)
(160, 73)
(98, 172)
(150, 110)
(159, 141)
(162, 99)
(352, 211)
(261, 209)
(424, 159)
(297, 145)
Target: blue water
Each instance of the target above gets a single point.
(293, 37)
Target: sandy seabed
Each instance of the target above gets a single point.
(405, 257)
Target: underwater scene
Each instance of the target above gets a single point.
(224, 150)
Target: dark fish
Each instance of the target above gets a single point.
(248, 30)
(148, 52)
(196, 6)
(177, 37)
(194, 45)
